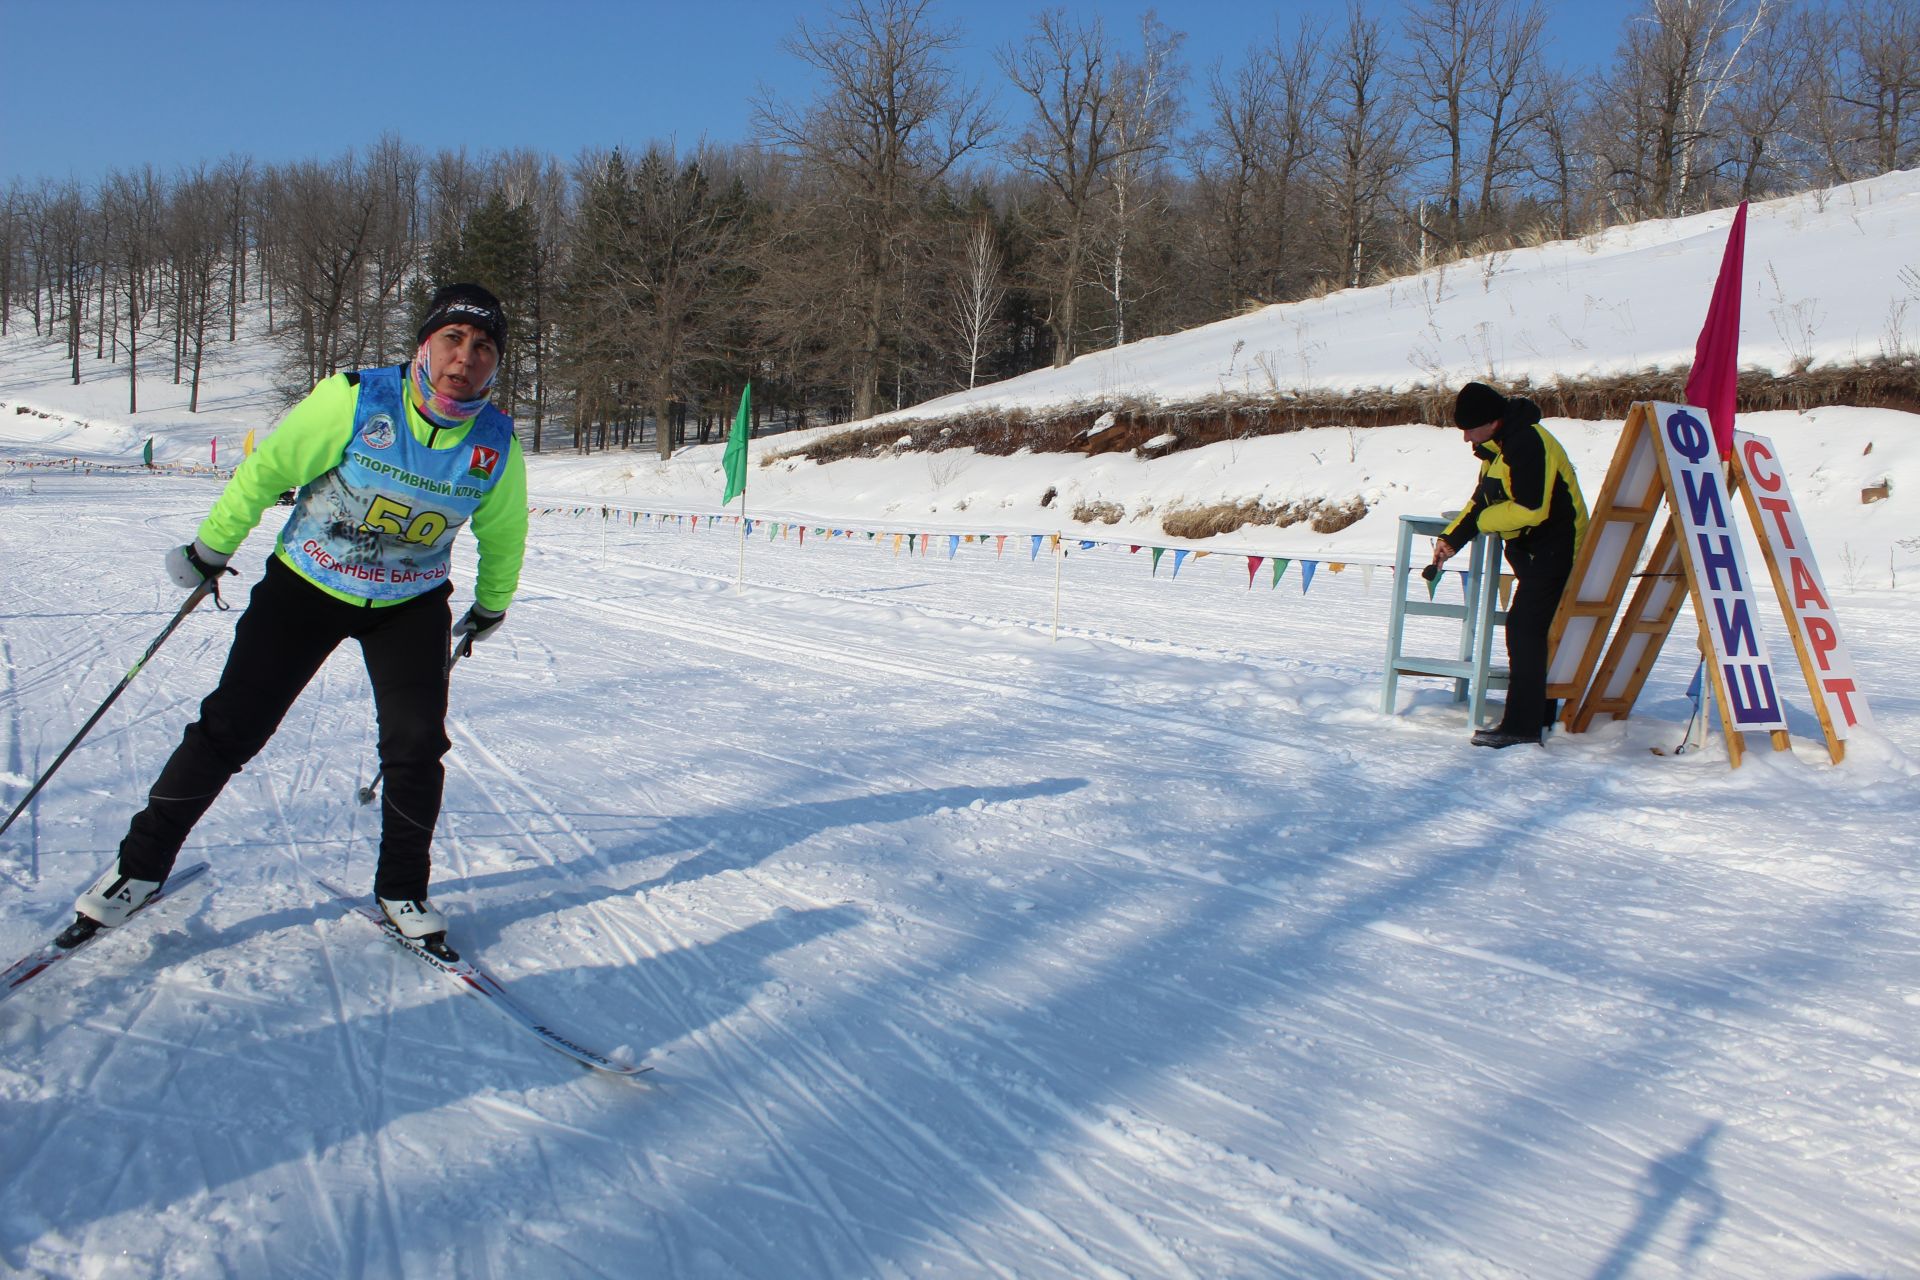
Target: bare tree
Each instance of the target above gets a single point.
(978, 293)
(1767, 102)
(1146, 110)
(1511, 100)
(392, 177)
(677, 275)
(889, 124)
(335, 236)
(539, 184)
(1471, 74)
(1251, 160)
(455, 185)
(195, 242)
(67, 246)
(134, 202)
(1366, 155)
(1657, 107)
(1448, 42)
(12, 218)
(236, 183)
(1067, 72)
(1558, 159)
(1882, 85)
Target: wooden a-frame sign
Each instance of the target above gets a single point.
(1665, 460)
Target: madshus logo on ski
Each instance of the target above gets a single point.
(480, 466)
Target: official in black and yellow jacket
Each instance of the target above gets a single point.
(1529, 495)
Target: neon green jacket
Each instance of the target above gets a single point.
(312, 439)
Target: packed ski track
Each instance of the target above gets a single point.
(1155, 949)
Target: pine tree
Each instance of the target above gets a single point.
(495, 248)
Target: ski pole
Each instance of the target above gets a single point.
(208, 588)
(368, 792)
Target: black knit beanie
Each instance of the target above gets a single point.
(466, 304)
(1477, 405)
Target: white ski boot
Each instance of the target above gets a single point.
(420, 923)
(109, 902)
(114, 897)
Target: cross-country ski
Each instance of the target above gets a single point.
(72, 940)
(470, 977)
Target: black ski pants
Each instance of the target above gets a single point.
(1541, 565)
(288, 630)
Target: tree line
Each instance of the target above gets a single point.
(902, 233)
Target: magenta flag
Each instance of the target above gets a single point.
(1715, 381)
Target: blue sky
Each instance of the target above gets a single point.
(94, 85)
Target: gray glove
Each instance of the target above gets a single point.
(195, 563)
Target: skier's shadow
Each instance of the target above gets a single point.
(187, 1107)
(732, 840)
(724, 840)
(1671, 1180)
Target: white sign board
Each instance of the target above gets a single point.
(1796, 577)
(1722, 591)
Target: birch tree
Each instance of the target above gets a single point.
(977, 294)
(1146, 110)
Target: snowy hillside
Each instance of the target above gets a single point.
(981, 912)
(1832, 277)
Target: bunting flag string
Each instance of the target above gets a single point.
(920, 541)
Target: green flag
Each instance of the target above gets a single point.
(146, 455)
(735, 459)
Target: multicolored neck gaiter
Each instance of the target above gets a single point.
(444, 410)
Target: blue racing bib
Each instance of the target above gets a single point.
(380, 524)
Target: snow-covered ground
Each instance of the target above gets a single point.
(1156, 949)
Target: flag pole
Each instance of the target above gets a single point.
(734, 463)
(1059, 562)
(741, 576)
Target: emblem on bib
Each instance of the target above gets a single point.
(480, 466)
(378, 433)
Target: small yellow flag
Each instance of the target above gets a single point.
(246, 445)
